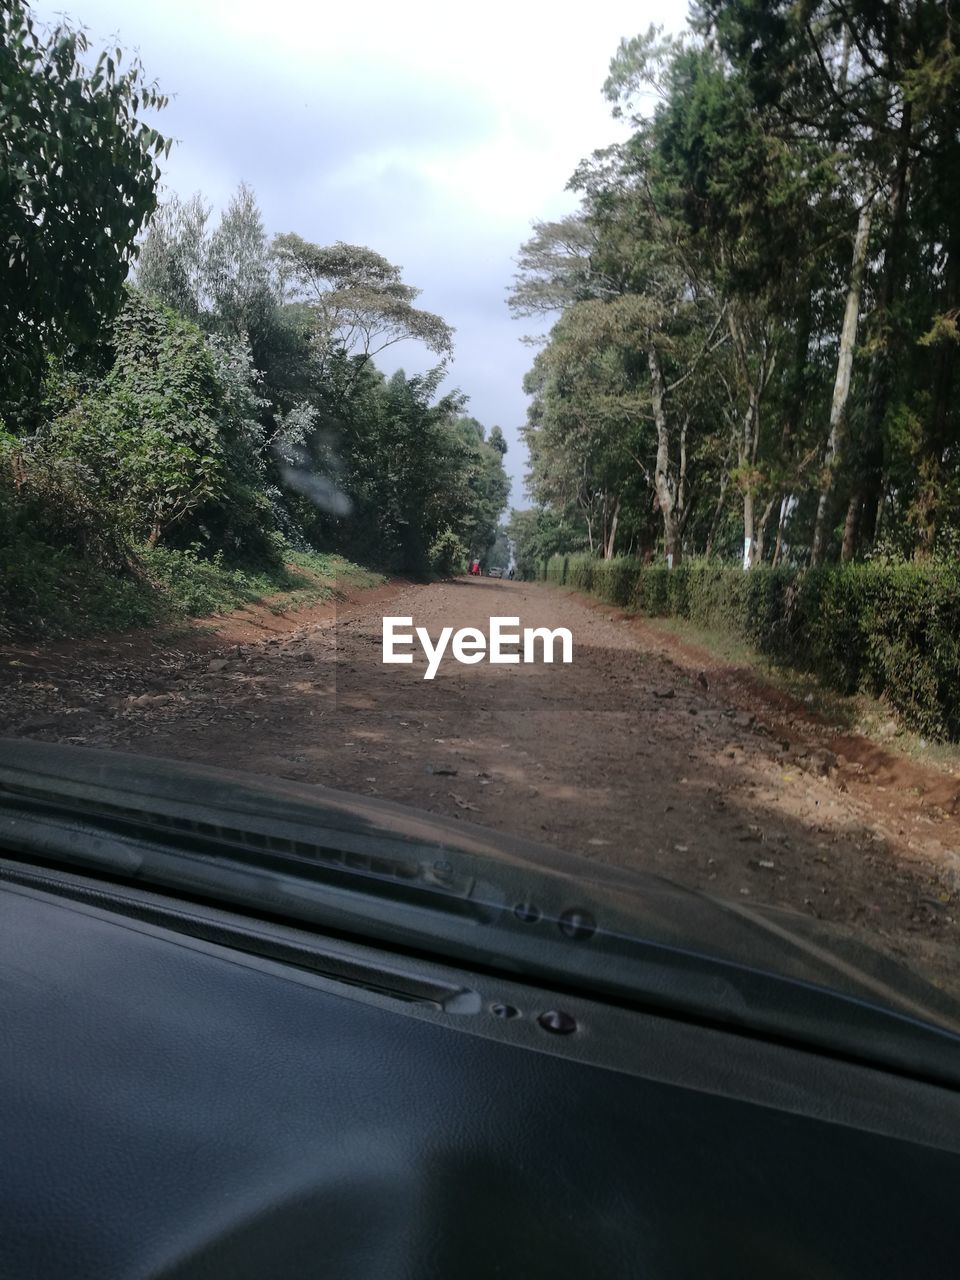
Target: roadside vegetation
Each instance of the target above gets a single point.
(58, 594)
(751, 378)
(190, 408)
(890, 631)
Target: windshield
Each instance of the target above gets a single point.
(554, 435)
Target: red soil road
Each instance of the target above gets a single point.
(643, 752)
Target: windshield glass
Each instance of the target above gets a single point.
(554, 435)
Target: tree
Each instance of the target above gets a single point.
(588, 433)
(174, 260)
(356, 300)
(225, 278)
(486, 485)
(78, 177)
(538, 533)
(876, 86)
(629, 357)
(498, 441)
(169, 437)
(748, 222)
(243, 287)
(722, 265)
(498, 556)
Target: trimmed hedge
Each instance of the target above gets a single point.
(892, 631)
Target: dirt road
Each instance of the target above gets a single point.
(641, 752)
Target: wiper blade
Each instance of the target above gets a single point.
(133, 842)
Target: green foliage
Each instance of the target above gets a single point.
(484, 481)
(239, 270)
(168, 461)
(891, 630)
(406, 466)
(448, 555)
(346, 459)
(149, 435)
(78, 174)
(168, 438)
(190, 583)
(195, 585)
(51, 591)
(64, 576)
(174, 260)
(357, 300)
(53, 502)
(536, 535)
(721, 354)
(63, 563)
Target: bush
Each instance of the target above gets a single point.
(448, 555)
(169, 437)
(54, 501)
(889, 630)
(63, 561)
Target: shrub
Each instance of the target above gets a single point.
(890, 630)
(448, 555)
(63, 561)
(169, 438)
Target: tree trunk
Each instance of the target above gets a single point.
(878, 522)
(608, 549)
(760, 533)
(841, 386)
(849, 545)
(722, 495)
(880, 379)
(930, 504)
(749, 441)
(787, 503)
(748, 456)
(664, 489)
(672, 550)
(717, 513)
(748, 528)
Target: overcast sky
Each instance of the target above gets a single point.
(432, 132)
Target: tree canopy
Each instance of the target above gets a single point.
(78, 178)
(755, 345)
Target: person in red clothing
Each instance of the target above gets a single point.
(475, 568)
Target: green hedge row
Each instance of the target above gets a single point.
(893, 631)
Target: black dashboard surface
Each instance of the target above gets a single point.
(172, 1109)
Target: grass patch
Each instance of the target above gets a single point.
(334, 568)
(54, 592)
(856, 713)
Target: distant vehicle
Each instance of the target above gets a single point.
(494, 573)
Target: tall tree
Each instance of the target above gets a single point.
(876, 84)
(78, 177)
(356, 300)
